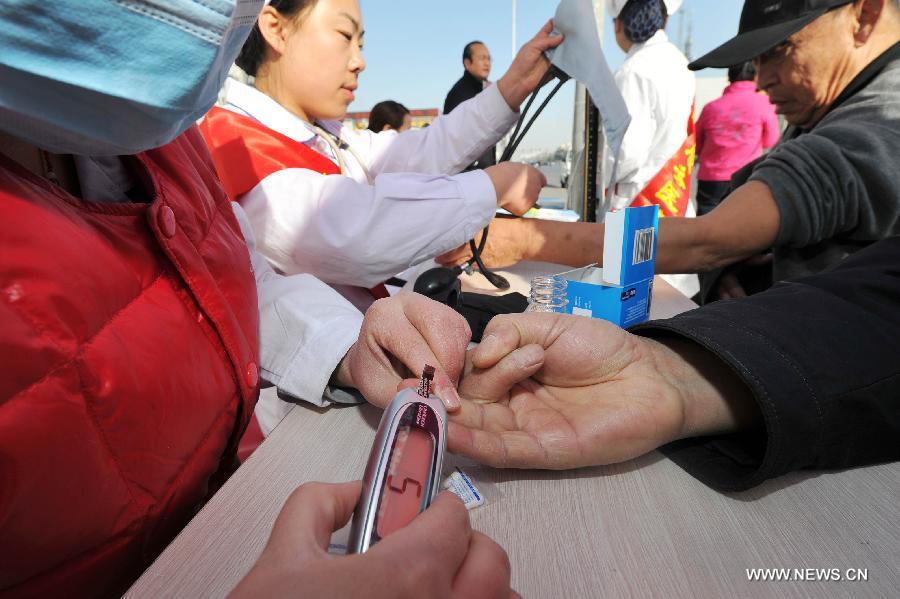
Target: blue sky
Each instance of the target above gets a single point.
(413, 49)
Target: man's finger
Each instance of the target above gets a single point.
(509, 449)
(494, 383)
(507, 332)
(731, 287)
(310, 515)
(493, 417)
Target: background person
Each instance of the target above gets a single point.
(389, 115)
(828, 189)
(655, 161)
(476, 70)
(350, 206)
(732, 132)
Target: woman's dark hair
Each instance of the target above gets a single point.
(254, 49)
(643, 18)
(387, 113)
(742, 72)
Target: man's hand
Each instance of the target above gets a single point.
(729, 284)
(507, 244)
(598, 395)
(528, 67)
(399, 335)
(517, 185)
(436, 555)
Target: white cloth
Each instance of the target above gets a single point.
(581, 56)
(345, 231)
(659, 91)
(305, 329)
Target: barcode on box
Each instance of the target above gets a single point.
(643, 246)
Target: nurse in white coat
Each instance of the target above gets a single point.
(659, 91)
(400, 198)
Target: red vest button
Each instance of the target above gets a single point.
(251, 377)
(166, 221)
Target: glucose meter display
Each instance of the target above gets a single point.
(407, 477)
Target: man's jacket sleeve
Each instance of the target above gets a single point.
(822, 358)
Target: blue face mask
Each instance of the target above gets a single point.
(112, 77)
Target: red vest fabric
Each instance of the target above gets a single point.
(670, 189)
(246, 152)
(129, 343)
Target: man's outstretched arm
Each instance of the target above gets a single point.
(744, 224)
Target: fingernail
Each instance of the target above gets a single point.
(450, 398)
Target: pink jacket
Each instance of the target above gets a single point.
(734, 130)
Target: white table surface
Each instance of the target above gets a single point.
(643, 528)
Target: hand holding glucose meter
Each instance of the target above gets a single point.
(404, 468)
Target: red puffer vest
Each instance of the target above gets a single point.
(129, 344)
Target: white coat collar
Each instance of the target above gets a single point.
(257, 105)
(659, 37)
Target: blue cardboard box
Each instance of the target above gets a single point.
(621, 291)
(623, 305)
(629, 245)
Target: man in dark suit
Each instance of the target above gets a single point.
(477, 64)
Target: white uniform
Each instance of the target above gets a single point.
(344, 230)
(659, 91)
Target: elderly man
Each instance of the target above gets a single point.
(832, 68)
(477, 65)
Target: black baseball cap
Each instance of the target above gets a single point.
(764, 25)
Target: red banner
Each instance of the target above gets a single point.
(670, 189)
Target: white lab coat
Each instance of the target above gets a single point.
(346, 231)
(659, 91)
(305, 330)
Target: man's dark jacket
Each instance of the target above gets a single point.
(822, 358)
(467, 88)
(836, 184)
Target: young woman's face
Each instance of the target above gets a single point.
(322, 59)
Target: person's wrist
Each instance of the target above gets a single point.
(343, 375)
(533, 239)
(714, 399)
(512, 91)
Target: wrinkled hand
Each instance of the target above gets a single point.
(517, 185)
(399, 335)
(558, 391)
(528, 67)
(507, 244)
(436, 555)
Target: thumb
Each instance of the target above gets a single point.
(310, 515)
(437, 541)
